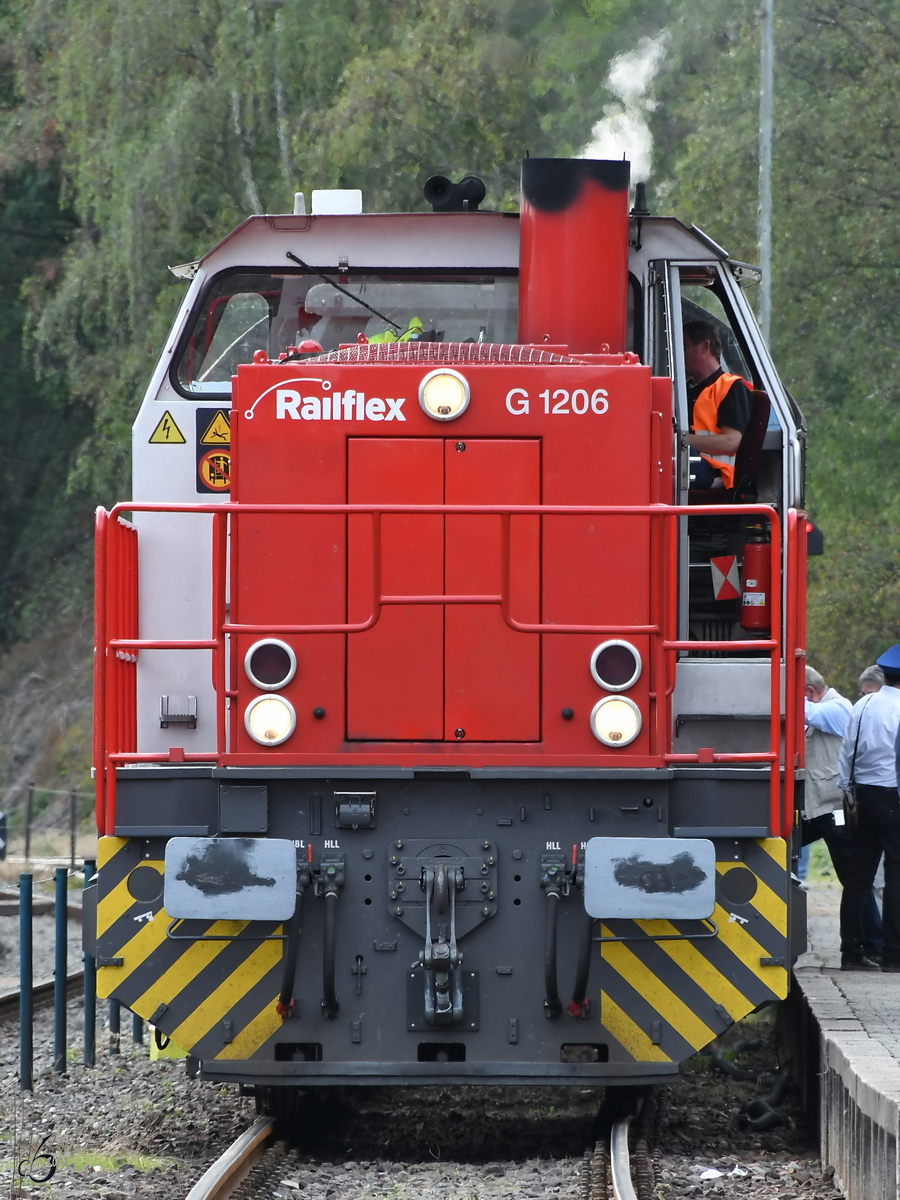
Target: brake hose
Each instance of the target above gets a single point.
(329, 1001)
(578, 1003)
(285, 1006)
(552, 1002)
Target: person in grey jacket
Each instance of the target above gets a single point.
(827, 715)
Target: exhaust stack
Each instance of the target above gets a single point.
(573, 256)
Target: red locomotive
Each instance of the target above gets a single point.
(421, 684)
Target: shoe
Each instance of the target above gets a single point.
(861, 963)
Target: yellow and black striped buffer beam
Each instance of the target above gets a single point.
(209, 986)
(669, 988)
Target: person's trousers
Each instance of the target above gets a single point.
(877, 833)
(839, 841)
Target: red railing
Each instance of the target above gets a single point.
(117, 643)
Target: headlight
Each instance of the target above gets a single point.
(444, 394)
(270, 664)
(615, 721)
(270, 720)
(616, 665)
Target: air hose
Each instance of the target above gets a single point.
(330, 1004)
(552, 1002)
(285, 1005)
(578, 1003)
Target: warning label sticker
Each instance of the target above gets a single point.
(213, 450)
(725, 579)
(167, 432)
(214, 471)
(218, 432)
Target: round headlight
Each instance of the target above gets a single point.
(615, 721)
(616, 665)
(444, 394)
(270, 720)
(270, 664)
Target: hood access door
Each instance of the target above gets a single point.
(435, 672)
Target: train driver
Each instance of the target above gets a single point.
(719, 406)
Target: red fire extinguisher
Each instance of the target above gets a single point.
(756, 581)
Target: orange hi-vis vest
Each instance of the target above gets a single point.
(706, 420)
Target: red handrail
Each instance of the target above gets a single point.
(100, 653)
(117, 627)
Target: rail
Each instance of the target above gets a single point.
(620, 1161)
(41, 993)
(232, 1167)
(118, 644)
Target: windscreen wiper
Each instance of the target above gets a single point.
(343, 291)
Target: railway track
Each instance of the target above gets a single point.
(42, 993)
(255, 1164)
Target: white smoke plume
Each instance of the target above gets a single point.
(623, 131)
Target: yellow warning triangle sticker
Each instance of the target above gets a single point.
(218, 432)
(167, 432)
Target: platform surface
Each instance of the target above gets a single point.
(857, 1015)
(871, 1000)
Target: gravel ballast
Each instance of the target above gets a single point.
(447, 1143)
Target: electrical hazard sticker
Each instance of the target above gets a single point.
(725, 581)
(167, 432)
(213, 450)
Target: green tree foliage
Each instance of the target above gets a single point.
(44, 524)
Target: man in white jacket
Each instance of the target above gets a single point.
(868, 761)
(827, 715)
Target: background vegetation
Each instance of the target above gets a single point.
(133, 134)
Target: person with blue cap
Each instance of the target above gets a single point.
(867, 770)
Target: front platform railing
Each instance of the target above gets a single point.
(118, 644)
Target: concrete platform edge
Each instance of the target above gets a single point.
(850, 1085)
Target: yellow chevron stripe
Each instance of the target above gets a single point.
(149, 937)
(776, 848)
(766, 902)
(629, 1035)
(772, 907)
(221, 1000)
(119, 900)
(647, 984)
(695, 964)
(111, 907)
(108, 848)
(190, 963)
(749, 951)
(254, 1033)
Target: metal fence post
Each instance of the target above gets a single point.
(26, 983)
(73, 827)
(115, 1023)
(61, 972)
(90, 987)
(29, 819)
(137, 1029)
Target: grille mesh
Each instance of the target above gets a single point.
(441, 352)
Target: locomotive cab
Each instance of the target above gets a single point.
(430, 744)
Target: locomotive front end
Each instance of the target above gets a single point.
(426, 748)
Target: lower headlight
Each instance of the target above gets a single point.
(615, 721)
(270, 720)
